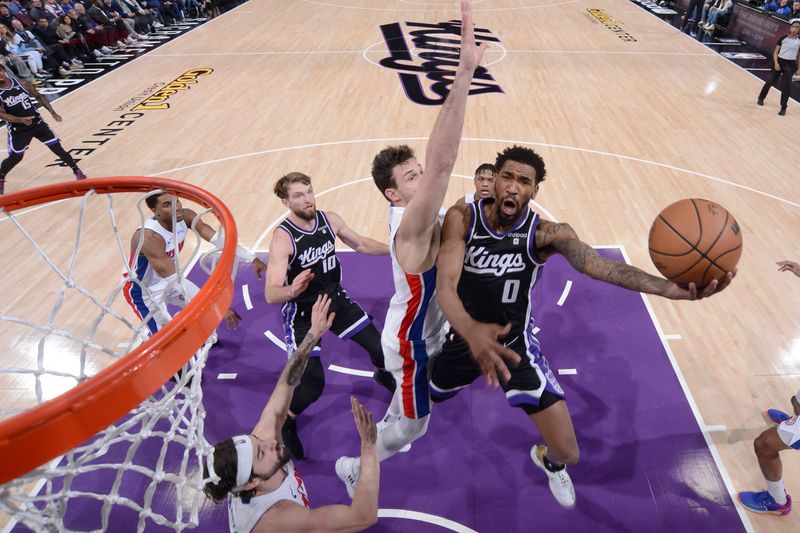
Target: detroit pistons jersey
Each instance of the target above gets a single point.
(315, 250)
(141, 265)
(500, 270)
(18, 102)
(414, 314)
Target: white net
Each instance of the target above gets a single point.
(65, 319)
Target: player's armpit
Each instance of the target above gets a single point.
(290, 517)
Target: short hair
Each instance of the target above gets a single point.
(385, 161)
(226, 463)
(486, 166)
(281, 189)
(152, 200)
(523, 155)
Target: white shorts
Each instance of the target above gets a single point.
(150, 304)
(789, 432)
(408, 363)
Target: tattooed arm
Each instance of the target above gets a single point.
(274, 414)
(561, 238)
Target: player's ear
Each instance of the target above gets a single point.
(391, 195)
(285, 202)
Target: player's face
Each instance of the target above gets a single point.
(484, 184)
(163, 209)
(301, 201)
(514, 187)
(268, 457)
(406, 176)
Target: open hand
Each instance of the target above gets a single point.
(321, 319)
(259, 267)
(232, 319)
(789, 266)
(301, 281)
(471, 53)
(364, 423)
(490, 354)
(674, 291)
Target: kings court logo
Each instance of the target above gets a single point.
(427, 59)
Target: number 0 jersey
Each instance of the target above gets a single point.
(499, 273)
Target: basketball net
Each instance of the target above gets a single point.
(117, 474)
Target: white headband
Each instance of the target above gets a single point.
(244, 460)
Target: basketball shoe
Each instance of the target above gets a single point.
(347, 469)
(762, 502)
(560, 482)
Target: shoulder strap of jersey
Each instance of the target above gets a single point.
(288, 229)
(473, 211)
(323, 219)
(531, 248)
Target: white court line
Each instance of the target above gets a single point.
(567, 371)
(246, 295)
(229, 375)
(275, 340)
(536, 329)
(564, 294)
(712, 447)
(453, 9)
(351, 371)
(673, 337)
(500, 141)
(424, 517)
(757, 68)
(123, 344)
(719, 428)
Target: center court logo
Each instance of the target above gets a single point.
(427, 74)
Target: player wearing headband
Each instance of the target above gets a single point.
(255, 472)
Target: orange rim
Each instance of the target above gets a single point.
(58, 425)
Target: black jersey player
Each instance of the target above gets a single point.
(302, 265)
(25, 124)
(492, 253)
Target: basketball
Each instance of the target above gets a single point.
(695, 240)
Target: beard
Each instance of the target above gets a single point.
(284, 455)
(507, 220)
(306, 214)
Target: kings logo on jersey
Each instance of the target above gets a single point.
(479, 260)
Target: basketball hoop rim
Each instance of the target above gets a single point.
(50, 429)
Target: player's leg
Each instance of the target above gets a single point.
(452, 369)
(51, 140)
(296, 323)
(353, 323)
(535, 390)
(408, 415)
(18, 142)
(767, 447)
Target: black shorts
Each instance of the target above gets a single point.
(349, 320)
(532, 386)
(20, 136)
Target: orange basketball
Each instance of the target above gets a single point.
(696, 241)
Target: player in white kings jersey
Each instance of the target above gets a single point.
(152, 260)
(415, 326)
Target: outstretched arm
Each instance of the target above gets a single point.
(413, 237)
(357, 242)
(217, 238)
(274, 414)
(359, 515)
(552, 238)
(481, 338)
(41, 99)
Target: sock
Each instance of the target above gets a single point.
(552, 467)
(777, 491)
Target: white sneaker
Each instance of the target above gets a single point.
(347, 468)
(106, 50)
(560, 482)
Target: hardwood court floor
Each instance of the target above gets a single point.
(625, 124)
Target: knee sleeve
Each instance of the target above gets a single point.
(400, 433)
(369, 339)
(310, 388)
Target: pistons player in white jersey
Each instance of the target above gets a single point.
(415, 327)
(484, 184)
(493, 251)
(254, 472)
(156, 283)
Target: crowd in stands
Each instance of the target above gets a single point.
(41, 39)
(788, 9)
